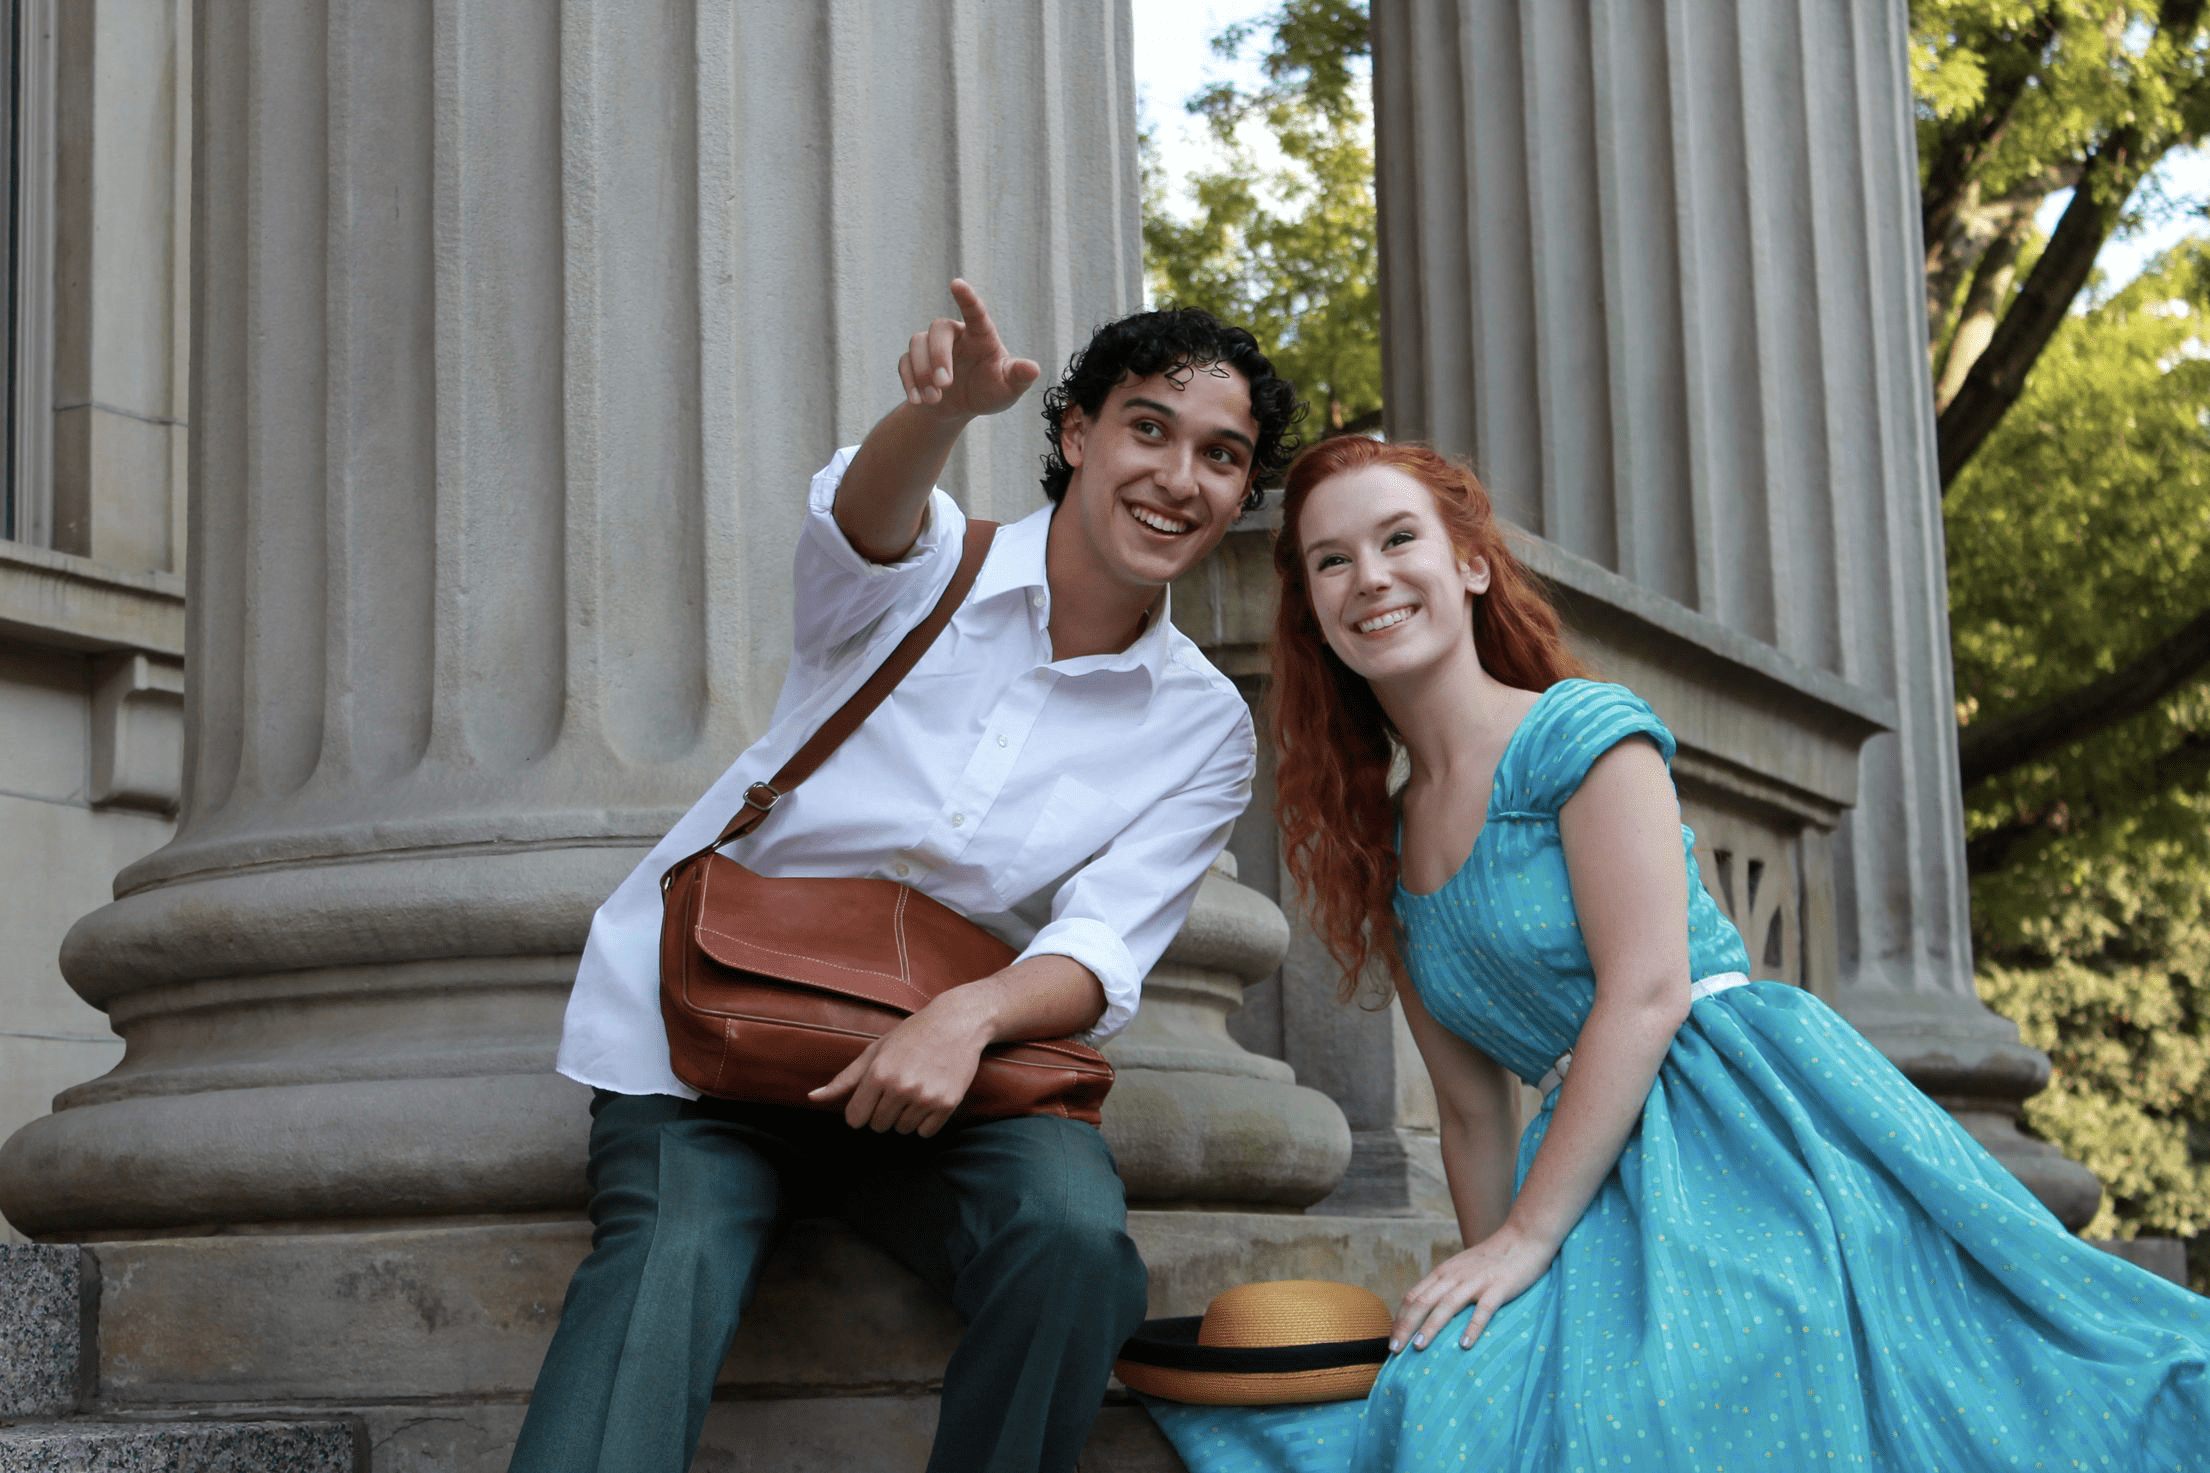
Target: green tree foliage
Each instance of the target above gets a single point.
(1289, 253)
(2018, 99)
(2079, 541)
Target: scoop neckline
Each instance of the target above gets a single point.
(1488, 813)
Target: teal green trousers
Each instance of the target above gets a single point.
(1020, 1223)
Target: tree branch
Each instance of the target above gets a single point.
(2098, 201)
(1988, 748)
(1998, 376)
(1963, 144)
(1990, 851)
(1976, 319)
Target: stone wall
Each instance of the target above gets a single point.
(92, 597)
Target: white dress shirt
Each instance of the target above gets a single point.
(1070, 806)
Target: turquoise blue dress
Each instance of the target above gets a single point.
(1799, 1262)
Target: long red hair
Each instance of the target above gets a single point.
(1332, 740)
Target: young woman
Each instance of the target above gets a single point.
(1736, 1236)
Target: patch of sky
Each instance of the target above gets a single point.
(1174, 62)
(2172, 204)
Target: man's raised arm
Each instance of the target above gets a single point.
(953, 371)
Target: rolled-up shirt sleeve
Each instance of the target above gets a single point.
(1117, 913)
(838, 594)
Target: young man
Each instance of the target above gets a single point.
(1061, 767)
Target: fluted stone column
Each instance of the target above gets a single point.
(520, 328)
(1652, 265)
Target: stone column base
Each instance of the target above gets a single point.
(1394, 1172)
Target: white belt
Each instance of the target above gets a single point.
(1701, 988)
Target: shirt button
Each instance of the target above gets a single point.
(958, 819)
(1037, 599)
(904, 869)
(1001, 740)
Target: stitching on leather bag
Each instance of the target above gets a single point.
(800, 956)
(721, 1065)
(1073, 1066)
(1077, 1069)
(903, 977)
(897, 929)
(799, 1027)
(705, 887)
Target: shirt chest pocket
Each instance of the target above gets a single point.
(1075, 821)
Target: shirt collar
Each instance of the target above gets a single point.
(1016, 564)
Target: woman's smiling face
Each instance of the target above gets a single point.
(1391, 595)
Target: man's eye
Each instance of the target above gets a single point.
(1149, 427)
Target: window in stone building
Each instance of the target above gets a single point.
(26, 268)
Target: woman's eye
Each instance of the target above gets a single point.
(1328, 560)
(1398, 538)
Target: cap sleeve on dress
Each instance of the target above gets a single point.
(1576, 722)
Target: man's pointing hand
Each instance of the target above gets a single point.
(961, 368)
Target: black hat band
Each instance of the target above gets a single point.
(1171, 1345)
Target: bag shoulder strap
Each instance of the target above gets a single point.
(760, 798)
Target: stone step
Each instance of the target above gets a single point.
(48, 1296)
(74, 1446)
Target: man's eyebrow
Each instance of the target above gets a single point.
(1135, 401)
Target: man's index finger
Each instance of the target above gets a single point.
(971, 310)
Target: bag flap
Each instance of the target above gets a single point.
(873, 940)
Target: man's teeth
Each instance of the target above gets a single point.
(1383, 621)
(1158, 523)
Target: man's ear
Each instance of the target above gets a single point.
(1074, 429)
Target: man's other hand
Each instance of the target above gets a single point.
(915, 1076)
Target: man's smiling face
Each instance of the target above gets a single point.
(1159, 474)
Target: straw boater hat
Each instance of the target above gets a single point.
(1289, 1340)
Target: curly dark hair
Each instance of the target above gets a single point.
(1177, 342)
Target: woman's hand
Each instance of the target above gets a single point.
(1489, 1275)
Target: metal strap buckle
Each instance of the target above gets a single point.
(753, 797)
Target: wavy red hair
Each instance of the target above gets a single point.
(1333, 742)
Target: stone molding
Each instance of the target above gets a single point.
(61, 601)
(137, 734)
(131, 625)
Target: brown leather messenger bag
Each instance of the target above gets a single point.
(769, 987)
